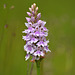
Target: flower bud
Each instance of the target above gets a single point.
(28, 19)
(29, 14)
(30, 9)
(33, 19)
(39, 15)
(36, 8)
(33, 12)
(34, 5)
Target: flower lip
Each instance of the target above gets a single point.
(30, 29)
(37, 53)
(37, 33)
(29, 24)
(29, 49)
(27, 37)
(27, 56)
(40, 43)
(46, 49)
(34, 40)
(42, 23)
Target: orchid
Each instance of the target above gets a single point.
(36, 43)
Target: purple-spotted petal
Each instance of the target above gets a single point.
(37, 33)
(26, 31)
(32, 34)
(31, 29)
(42, 23)
(44, 28)
(34, 40)
(46, 49)
(29, 49)
(29, 24)
(26, 37)
(29, 43)
(37, 53)
(41, 43)
(27, 56)
(46, 42)
(42, 34)
(25, 47)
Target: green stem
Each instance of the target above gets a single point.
(41, 67)
(38, 67)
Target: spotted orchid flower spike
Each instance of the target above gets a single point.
(36, 43)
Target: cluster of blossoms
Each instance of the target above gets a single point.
(36, 43)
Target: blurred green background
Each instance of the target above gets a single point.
(60, 18)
